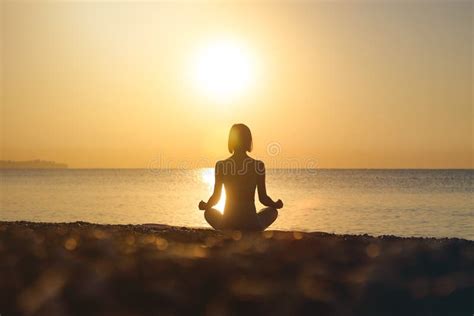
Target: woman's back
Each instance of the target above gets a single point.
(240, 177)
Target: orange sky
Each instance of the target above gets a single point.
(345, 85)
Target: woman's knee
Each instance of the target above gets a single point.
(267, 216)
(213, 217)
(269, 211)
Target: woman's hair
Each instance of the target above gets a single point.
(240, 138)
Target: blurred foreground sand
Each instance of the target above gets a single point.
(88, 269)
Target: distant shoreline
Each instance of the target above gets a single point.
(31, 164)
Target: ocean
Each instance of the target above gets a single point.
(423, 203)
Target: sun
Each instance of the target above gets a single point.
(224, 70)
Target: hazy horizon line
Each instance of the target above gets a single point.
(212, 167)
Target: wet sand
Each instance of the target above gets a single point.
(88, 269)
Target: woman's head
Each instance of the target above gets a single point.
(240, 138)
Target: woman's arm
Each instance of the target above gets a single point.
(216, 195)
(262, 189)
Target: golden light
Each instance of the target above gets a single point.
(207, 176)
(224, 70)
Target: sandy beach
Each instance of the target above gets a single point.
(89, 269)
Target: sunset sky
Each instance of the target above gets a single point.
(348, 85)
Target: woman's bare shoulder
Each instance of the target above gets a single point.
(259, 163)
(225, 163)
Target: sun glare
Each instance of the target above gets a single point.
(207, 176)
(224, 70)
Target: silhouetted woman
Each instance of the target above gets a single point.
(240, 175)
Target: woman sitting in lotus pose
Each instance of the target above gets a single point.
(240, 175)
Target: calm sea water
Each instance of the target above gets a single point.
(436, 203)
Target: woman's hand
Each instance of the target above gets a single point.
(202, 205)
(278, 204)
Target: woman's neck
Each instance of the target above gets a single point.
(240, 154)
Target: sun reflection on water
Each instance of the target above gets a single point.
(207, 176)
